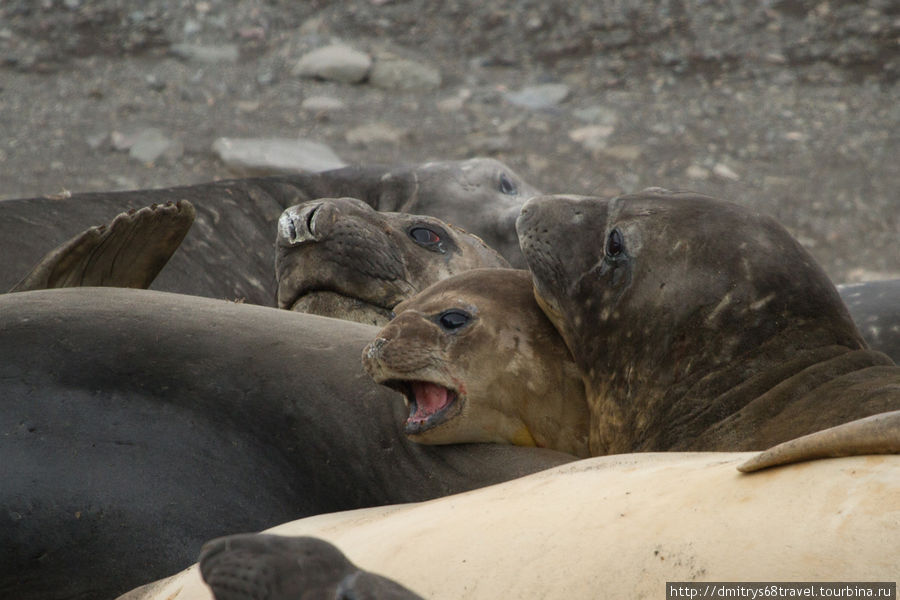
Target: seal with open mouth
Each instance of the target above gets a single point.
(338, 257)
(478, 361)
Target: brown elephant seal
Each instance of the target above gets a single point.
(130, 251)
(339, 257)
(255, 566)
(478, 361)
(697, 324)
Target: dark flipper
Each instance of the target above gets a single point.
(128, 252)
(878, 434)
(256, 566)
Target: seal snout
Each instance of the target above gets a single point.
(297, 224)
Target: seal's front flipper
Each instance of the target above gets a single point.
(251, 566)
(878, 434)
(129, 252)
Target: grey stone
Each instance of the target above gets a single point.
(600, 115)
(151, 145)
(392, 73)
(335, 63)
(322, 104)
(206, 54)
(275, 155)
(538, 97)
(374, 133)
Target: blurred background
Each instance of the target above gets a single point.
(789, 106)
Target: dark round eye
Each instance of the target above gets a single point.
(614, 243)
(506, 186)
(423, 235)
(453, 319)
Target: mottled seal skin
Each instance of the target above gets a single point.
(130, 251)
(697, 324)
(478, 361)
(228, 252)
(136, 425)
(254, 566)
(338, 257)
(875, 308)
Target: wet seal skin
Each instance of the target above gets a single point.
(477, 361)
(697, 324)
(338, 257)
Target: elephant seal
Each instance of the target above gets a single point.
(228, 253)
(338, 257)
(254, 566)
(128, 252)
(136, 425)
(643, 519)
(477, 361)
(697, 324)
(875, 308)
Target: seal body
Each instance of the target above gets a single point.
(136, 425)
(643, 519)
(875, 308)
(697, 324)
(338, 257)
(228, 252)
(478, 361)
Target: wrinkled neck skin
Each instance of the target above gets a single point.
(667, 401)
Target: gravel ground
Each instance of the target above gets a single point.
(788, 106)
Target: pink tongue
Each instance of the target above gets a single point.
(430, 398)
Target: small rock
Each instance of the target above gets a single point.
(539, 97)
(392, 73)
(624, 153)
(591, 137)
(697, 172)
(374, 133)
(450, 105)
(275, 155)
(335, 63)
(322, 104)
(154, 83)
(482, 144)
(151, 145)
(600, 115)
(206, 54)
(96, 140)
(725, 172)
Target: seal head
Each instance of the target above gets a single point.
(338, 257)
(696, 323)
(478, 361)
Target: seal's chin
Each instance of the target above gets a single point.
(430, 404)
(327, 303)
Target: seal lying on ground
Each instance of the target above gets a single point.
(697, 324)
(338, 257)
(643, 519)
(228, 253)
(128, 252)
(478, 361)
(136, 425)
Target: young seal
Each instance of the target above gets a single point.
(136, 425)
(478, 361)
(128, 252)
(697, 324)
(255, 566)
(643, 519)
(338, 257)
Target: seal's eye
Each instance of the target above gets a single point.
(614, 243)
(507, 186)
(453, 319)
(423, 235)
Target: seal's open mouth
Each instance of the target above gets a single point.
(430, 404)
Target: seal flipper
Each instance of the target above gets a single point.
(251, 566)
(878, 434)
(129, 252)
